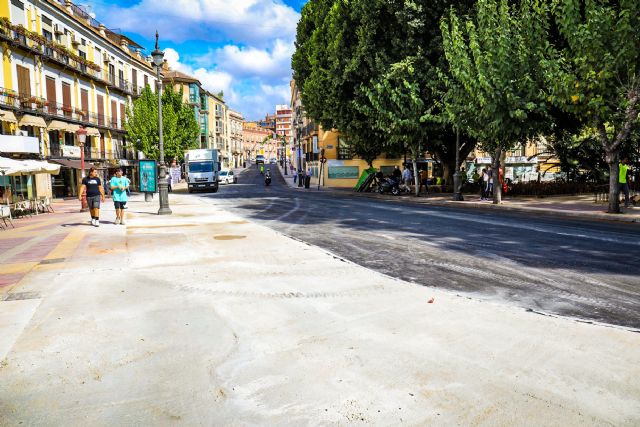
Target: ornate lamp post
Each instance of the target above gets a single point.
(163, 185)
(82, 138)
(457, 185)
(284, 154)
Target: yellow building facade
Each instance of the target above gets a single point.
(62, 70)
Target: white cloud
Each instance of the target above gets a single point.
(212, 80)
(246, 21)
(242, 47)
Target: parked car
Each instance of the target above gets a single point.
(273, 161)
(227, 177)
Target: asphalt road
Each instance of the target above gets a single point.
(582, 269)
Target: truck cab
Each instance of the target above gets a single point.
(202, 167)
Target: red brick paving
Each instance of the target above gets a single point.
(10, 279)
(38, 251)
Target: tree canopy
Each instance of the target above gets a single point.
(179, 125)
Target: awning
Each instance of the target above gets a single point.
(58, 125)
(13, 167)
(8, 116)
(92, 132)
(43, 167)
(29, 120)
(75, 164)
(72, 128)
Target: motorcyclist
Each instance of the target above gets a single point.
(267, 177)
(268, 173)
(261, 168)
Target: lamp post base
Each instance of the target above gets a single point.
(163, 189)
(457, 186)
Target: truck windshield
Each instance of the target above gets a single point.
(200, 167)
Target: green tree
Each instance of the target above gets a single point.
(179, 125)
(592, 73)
(349, 59)
(406, 98)
(494, 91)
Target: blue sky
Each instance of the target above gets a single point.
(242, 47)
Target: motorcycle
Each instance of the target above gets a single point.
(389, 185)
(267, 180)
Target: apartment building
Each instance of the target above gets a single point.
(195, 96)
(258, 140)
(235, 120)
(219, 129)
(62, 70)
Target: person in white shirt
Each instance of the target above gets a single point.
(407, 176)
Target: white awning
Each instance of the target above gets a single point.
(92, 132)
(29, 120)
(42, 166)
(8, 116)
(13, 167)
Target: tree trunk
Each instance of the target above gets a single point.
(614, 189)
(495, 173)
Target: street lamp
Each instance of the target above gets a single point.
(299, 150)
(81, 133)
(457, 185)
(284, 154)
(163, 185)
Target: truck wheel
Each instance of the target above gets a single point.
(190, 191)
(215, 189)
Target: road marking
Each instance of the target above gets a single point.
(19, 267)
(487, 221)
(66, 248)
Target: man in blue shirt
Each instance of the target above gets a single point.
(119, 186)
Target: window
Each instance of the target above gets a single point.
(69, 138)
(17, 12)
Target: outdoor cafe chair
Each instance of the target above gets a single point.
(5, 215)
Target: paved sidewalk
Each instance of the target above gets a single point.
(578, 206)
(204, 318)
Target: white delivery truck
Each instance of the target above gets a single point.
(202, 167)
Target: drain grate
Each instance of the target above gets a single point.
(19, 296)
(53, 261)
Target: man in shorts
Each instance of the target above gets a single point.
(92, 187)
(119, 185)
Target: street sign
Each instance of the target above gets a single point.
(147, 176)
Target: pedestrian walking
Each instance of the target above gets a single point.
(463, 178)
(407, 176)
(119, 185)
(92, 188)
(623, 181)
(169, 183)
(295, 175)
(484, 184)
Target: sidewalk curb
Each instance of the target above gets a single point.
(600, 216)
(596, 216)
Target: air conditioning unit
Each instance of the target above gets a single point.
(74, 40)
(23, 133)
(105, 57)
(57, 29)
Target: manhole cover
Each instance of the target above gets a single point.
(229, 237)
(52, 261)
(18, 296)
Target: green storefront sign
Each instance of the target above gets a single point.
(148, 176)
(344, 172)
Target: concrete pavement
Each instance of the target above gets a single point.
(205, 318)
